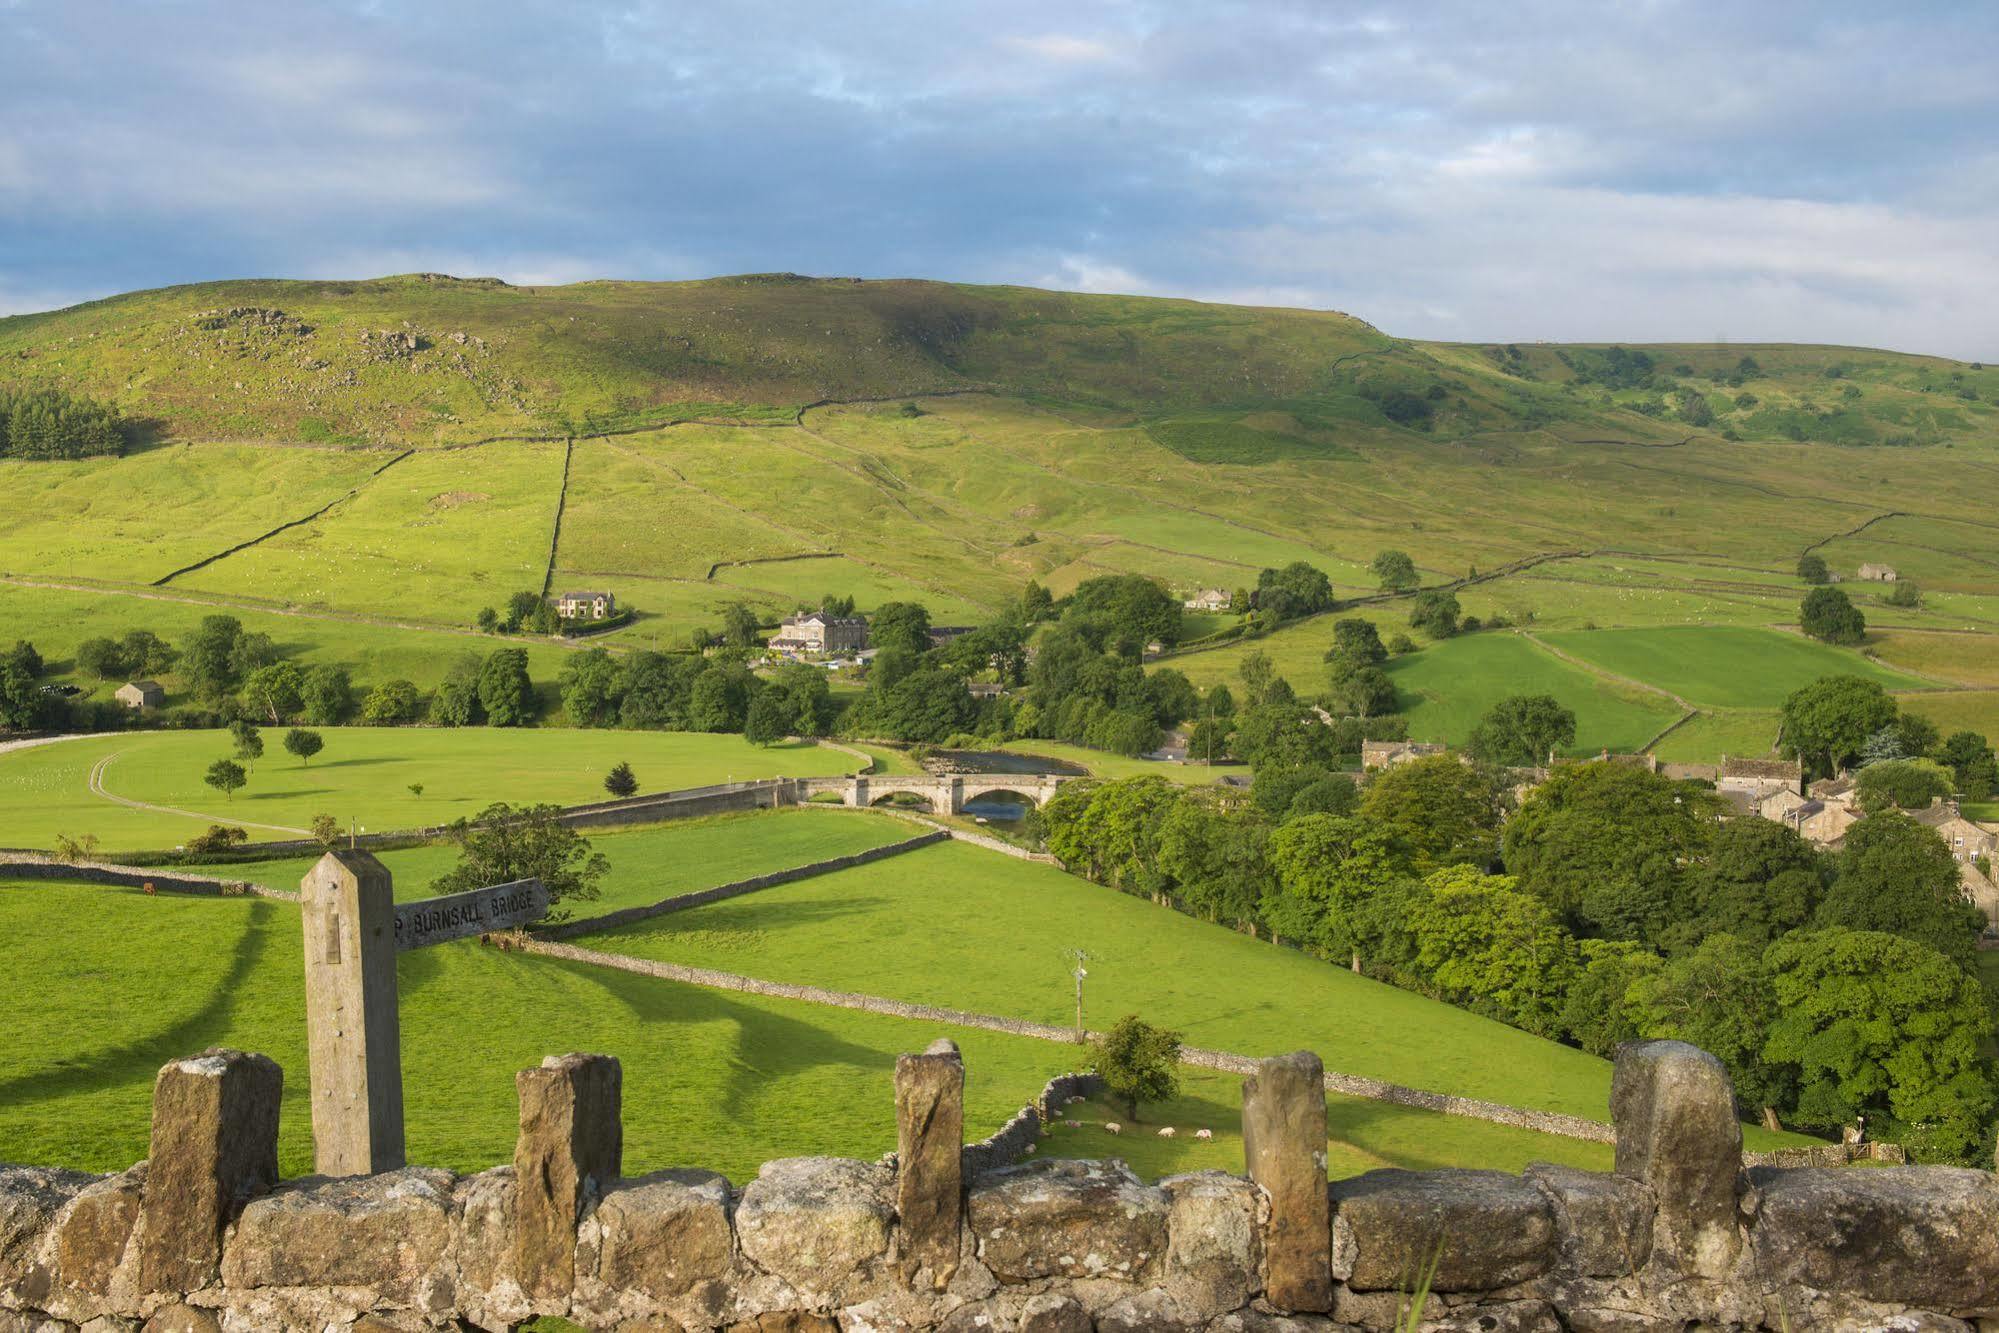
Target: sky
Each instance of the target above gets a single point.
(1635, 170)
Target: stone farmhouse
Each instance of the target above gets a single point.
(141, 694)
(1387, 754)
(586, 606)
(1209, 599)
(1873, 573)
(819, 633)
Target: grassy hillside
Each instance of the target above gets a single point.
(383, 458)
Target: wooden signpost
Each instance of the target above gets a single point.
(354, 929)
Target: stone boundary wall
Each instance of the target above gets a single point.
(1353, 1085)
(681, 902)
(29, 865)
(204, 1236)
(1830, 1154)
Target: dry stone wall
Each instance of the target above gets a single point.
(203, 1237)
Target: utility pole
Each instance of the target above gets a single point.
(1080, 972)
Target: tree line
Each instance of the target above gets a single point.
(51, 424)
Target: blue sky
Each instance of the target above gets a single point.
(1453, 169)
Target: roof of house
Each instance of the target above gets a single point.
(820, 617)
(1741, 802)
(1788, 769)
(149, 686)
(583, 596)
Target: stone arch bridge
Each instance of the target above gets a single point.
(946, 794)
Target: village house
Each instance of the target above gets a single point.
(141, 694)
(1759, 778)
(1387, 754)
(1873, 573)
(586, 606)
(821, 633)
(1209, 599)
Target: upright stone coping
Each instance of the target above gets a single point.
(214, 1147)
(929, 1153)
(353, 1032)
(1284, 1144)
(1045, 1244)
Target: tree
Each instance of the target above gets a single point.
(146, 653)
(24, 656)
(488, 620)
(1439, 811)
(1216, 857)
(1827, 722)
(226, 776)
(1904, 784)
(1138, 1063)
(456, 703)
(592, 688)
(22, 703)
(543, 619)
(1258, 674)
(1298, 589)
(275, 692)
(1357, 641)
(327, 696)
(1829, 614)
(1487, 946)
(1812, 569)
(1601, 1012)
(904, 625)
(1522, 731)
(719, 698)
(392, 703)
(506, 843)
(101, 658)
(1971, 761)
(249, 741)
(621, 782)
(520, 606)
(1036, 603)
(304, 744)
(1902, 593)
(1395, 570)
(416, 790)
(1876, 1024)
(1435, 613)
(207, 666)
(767, 719)
(1328, 867)
(1719, 997)
(325, 830)
(506, 695)
(1897, 876)
(1361, 691)
(1758, 880)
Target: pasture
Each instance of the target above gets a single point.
(363, 775)
(1722, 666)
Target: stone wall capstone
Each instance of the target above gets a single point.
(204, 1237)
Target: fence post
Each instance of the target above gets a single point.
(1674, 1109)
(929, 1160)
(571, 1147)
(347, 904)
(214, 1146)
(1284, 1144)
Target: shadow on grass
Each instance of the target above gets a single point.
(754, 912)
(140, 1058)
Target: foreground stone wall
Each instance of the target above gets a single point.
(203, 1236)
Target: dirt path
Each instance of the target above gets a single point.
(97, 788)
(8, 747)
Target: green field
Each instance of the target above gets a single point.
(1722, 666)
(361, 777)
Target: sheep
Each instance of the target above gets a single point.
(1072, 1124)
(1113, 1127)
(1168, 1132)
(1033, 1147)
(1204, 1133)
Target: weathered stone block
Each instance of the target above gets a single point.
(214, 1147)
(1920, 1236)
(1052, 1313)
(787, 1321)
(1484, 1229)
(1284, 1142)
(1068, 1219)
(482, 1242)
(1212, 1254)
(182, 1319)
(92, 1237)
(31, 1197)
(1605, 1221)
(570, 1149)
(1151, 1311)
(1503, 1317)
(815, 1222)
(1257, 1321)
(389, 1233)
(929, 1183)
(1677, 1134)
(663, 1233)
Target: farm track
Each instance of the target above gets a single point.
(282, 527)
(97, 788)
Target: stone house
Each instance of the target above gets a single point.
(821, 633)
(1387, 754)
(1784, 806)
(1975, 849)
(1759, 778)
(141, 694)
(1209, 599)
(1825, 823)
(586, 606)
(1874, 573)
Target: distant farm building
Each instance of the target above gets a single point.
(586, 606)
(1209, 599)
(821, 633)
(1872, 573)
(943, 634)
(984, 689)
(1387, 754)
(141, 694)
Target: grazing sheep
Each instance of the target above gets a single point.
(1167, 1132)
(1033, 1147)
(1204, 1133)
(1071, 1101)
(1072, 1124)
(1113, 1127)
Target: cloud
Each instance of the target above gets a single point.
(1543, 169)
